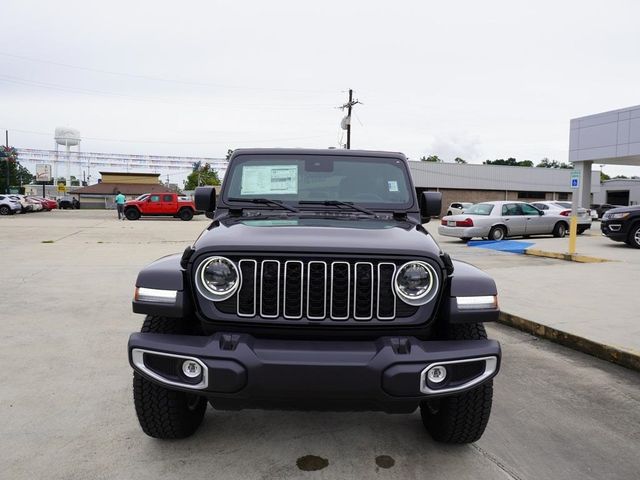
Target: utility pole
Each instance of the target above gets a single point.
(6, 137)
(346, 121)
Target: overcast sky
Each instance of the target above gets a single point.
(474, 79)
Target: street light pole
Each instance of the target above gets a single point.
(6, 137)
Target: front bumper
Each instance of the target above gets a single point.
(241, 371)
(614, 229)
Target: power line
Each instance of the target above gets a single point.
(346, 121)
(158, 79)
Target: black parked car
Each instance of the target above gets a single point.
(65, 203)
(315, 287)
(601, 209)
(622, 225)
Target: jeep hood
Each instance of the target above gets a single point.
(318, 236)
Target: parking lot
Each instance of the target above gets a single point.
(67, 281)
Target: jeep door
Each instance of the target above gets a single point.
(513, 218)
(154, 206)
(169, 204)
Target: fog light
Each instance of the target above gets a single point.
(191, 369)
(437, 374)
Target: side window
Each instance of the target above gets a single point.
(154, 198)
(455, 205)
(511, 209)
(529, 210)
(167, 198)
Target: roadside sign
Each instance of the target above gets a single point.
(575, 179)
(43, 172)
(62, 188)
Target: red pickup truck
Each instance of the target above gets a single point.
(160, 204)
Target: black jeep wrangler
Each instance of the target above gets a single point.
(315, 287)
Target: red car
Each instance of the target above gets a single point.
(160, 204)
(47, 203)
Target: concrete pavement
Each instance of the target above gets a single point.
(595, 301)
(67, 413)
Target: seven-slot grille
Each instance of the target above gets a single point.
(340, 290)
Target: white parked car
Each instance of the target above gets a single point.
(9, 205)
(457, 208)
(498, 220)
(564, 209)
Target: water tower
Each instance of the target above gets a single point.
(69, 137)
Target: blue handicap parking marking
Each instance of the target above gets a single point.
(511, 246)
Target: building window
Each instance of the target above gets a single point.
(531, 195)
(563, 196)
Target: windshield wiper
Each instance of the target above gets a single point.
(264, 201)
(338, 203)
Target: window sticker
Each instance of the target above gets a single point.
(269, 179)
(393, 185)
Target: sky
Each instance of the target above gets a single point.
(469, 79)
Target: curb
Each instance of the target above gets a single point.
(609, 353)
(565, 256)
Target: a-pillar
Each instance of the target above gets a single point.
(584, 192)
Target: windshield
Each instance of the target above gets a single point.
(480, 209)
(142, 197)
(381, 182)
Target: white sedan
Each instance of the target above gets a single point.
(498, 220)
(564, 209)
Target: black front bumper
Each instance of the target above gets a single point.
(241, 371)
(616, 230)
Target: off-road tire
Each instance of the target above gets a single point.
(5, 210)
(494, 231)
(460, 418)
(634, 236)
(132, 213)
(165, 413)
(560, 230)
(185, 214)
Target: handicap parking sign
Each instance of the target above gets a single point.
(575, 179)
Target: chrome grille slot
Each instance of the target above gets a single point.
(248, 290)
(293, 289)
(316, 290)
(363, 291)
(270, 289)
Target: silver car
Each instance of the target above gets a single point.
(564, 209)
(497, 220)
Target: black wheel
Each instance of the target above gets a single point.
(559, 230)
(165, 413)
(132, 214)
(449, 212)
(497, 233)
(580, 231)
(460, 418)
(634, 237)
(4, 210)
(186, 214)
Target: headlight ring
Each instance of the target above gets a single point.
(416, 283)
(218, 278)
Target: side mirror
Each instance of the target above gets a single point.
(205, 200)
(540, 212)
(430, 205)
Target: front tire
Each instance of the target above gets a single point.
(5, 210)
(165, 413)
(132, 214)
(460, 418)
(634, 237)
(185, 214)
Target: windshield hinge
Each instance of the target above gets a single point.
(399, 215)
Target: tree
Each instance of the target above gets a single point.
(201, 175)
(229, 153)
(18, 175)
(604, 176)
(460, 161)
(621, 177)
(431, 158)
(511, 162)
(546, 163)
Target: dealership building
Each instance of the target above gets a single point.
(482, 183)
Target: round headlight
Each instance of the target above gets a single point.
(416, 283)
(219, 277)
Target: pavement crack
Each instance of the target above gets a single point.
(513, 475)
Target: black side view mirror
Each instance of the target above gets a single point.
(430, 205)
(205, 200)
(540, 212)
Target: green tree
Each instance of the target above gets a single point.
(511, 162)
(201, 175)
(621, 177)
(546, 163)
(229, 153)
(18, 175)
(460, 161)
(431, 158)
(604, 176)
